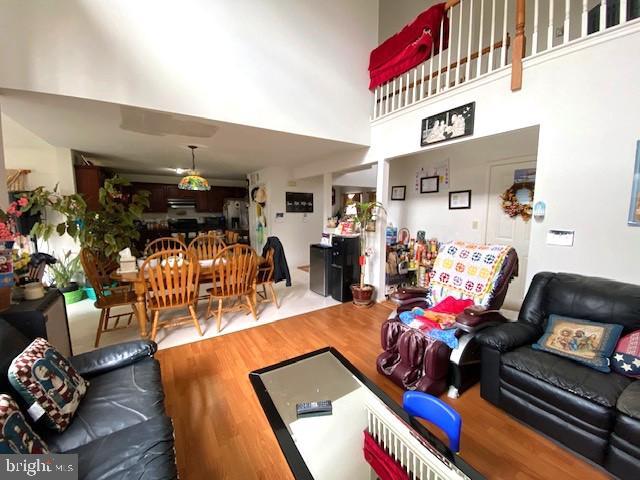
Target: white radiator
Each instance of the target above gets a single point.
(420, 460)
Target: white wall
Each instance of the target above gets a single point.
(584, 100)
(297, 230)
(49, 165)
(293, 65)
(360, 178)
(469, 165)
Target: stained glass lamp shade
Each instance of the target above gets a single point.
(193, 180)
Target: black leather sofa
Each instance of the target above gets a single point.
(592, 413)
(120, 430)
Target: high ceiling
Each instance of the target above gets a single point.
(136, 140)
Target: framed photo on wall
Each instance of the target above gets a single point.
(430, 184)
(398, 192)
(460, 200)
(454, 123)
(298, 202)
(634, 208)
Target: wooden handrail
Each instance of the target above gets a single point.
(444, 69)
(518, 48)
(451, 4)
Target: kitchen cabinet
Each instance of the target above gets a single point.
(157, 196)
(205, 202)
(89, 179)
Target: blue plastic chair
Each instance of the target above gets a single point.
(434, 410)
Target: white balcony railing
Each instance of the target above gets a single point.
(489, 35)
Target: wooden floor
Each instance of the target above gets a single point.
(222, 433)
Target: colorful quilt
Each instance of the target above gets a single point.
(48, 383)
(16, 436)
(467, 270)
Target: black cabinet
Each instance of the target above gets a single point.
(345, 266)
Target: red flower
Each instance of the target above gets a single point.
(23, 201)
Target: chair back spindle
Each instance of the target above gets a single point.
(164, 243)
(173, 278)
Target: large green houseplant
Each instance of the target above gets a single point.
(365, 215)
(108, 230)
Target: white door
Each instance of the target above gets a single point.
(503, 229)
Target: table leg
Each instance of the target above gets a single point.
(141, 308)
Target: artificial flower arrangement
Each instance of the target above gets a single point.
(8, 234)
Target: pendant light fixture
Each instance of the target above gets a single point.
(192, 180)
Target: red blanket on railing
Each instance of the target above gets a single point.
(411, 46)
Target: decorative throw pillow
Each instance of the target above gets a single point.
(47, 382)
(16, 436)
(626, 359)
(590, 343)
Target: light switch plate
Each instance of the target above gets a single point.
(561, 238)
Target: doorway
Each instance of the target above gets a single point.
(503, 229)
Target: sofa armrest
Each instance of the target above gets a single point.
(115, 356)
(508, 336)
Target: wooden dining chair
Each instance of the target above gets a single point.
(164, 243)
(235, 268)
(97, 270)
(172, 277)
(206, 247)
(231, 237)
(264, 278)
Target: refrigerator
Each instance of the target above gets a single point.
(320, 269)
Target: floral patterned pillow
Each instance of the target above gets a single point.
(590, 343)
(16, 436)
(48, 383)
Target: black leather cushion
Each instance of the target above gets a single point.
(12, 343)
(115, 356)
(629, 401)
(585, 382)
(595, 299)
(143, 451)
(623, 457)
(508, 336)
(518, 404)
(115, 400)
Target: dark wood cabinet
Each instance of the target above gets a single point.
(157, 196)
(89, 179)
(205, 202)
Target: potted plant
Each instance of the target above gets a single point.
(108, 230)
(64, 271)
(364, 216)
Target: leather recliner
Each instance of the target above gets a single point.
(417, 362)
(592, 413)
(120, 430)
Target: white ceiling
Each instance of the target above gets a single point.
(137, 140)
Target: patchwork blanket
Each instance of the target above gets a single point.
(467, 270)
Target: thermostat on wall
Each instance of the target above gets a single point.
(562, 238)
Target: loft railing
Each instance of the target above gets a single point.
(486, 36)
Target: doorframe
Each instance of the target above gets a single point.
(497, 163)
(509, 161)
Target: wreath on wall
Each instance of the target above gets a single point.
(512, 206)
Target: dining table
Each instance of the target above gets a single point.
(139, 284)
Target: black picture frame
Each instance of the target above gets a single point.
(424, 184)
(299, 202)
(466, 206)
(455, 123)
(400, 193)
